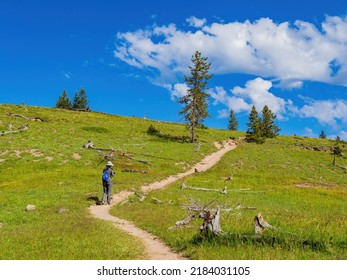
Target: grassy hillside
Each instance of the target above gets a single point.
(47, 166)
(290, 180)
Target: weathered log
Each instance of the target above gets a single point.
(90, 145)
(223, 191)
(81, 110)
(141, 197)
(134, 170)
(184, 222)
(340, 166)
(20, 129)
(239, 206)
(211, 223)
(27, 118)
(260, 224)
(156, 201)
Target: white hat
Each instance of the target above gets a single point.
(109, 163)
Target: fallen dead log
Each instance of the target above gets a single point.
(20, 129)
(135, 171)
(340, 166)
(184, 222)
(81, 110)
(37, 119)
(157, 201)
(240, 206)
(223, 191)
(90, 145)
(140, 196)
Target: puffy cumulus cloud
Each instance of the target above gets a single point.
(288, 53)
(196, 22)
(177, 90)
(327, 112)
(256, 92)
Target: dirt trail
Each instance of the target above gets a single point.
(154, 248)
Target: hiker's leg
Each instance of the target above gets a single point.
(109, 194)
(104, 194)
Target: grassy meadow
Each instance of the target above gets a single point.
(47, 166)
(296, 188)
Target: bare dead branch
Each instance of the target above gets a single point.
(27, 118)
(20, 129)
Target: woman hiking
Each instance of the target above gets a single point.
(107, 175)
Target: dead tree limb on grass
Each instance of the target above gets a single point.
(223, 191)
(340, 166)
(135, 171)
(34, 119)
(184, 222)
(20, 129)
(211, 223)
(140, 196)
(90, 145)
(260, 224)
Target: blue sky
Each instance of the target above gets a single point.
(131, 57)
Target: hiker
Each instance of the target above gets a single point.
(107, 175)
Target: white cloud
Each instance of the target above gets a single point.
(256, 92)
(327, 112)
(288, 53)
(177, 90)
(343, 135)
(309, 133)
(223, 114)
(196, 22)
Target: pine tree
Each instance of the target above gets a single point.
(322, 135)
(268, 127)
(80, 101)
(232, 123)
(196, 99)
(63, 101)
(254, 131)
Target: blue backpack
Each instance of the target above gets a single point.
(105, 176)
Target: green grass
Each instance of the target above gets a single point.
(306, 198)
(47, 166)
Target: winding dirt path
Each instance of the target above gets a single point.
(154, 248)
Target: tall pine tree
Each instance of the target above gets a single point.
(63, 101)
(232, 123)
(196, 99)
(322, 135)
(254, 131)
(268, 126)
(80, 101)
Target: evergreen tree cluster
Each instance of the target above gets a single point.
(80, 101)
(260, 128)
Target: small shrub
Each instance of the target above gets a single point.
(337, 151)
(152, 130)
